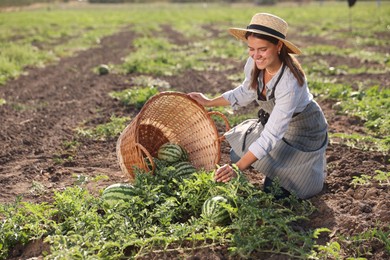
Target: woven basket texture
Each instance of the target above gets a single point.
(169, 117)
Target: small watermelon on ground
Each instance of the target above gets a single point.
(103, 69)
(183, 169)
(170, 152)
(117, 192)
(214, 211)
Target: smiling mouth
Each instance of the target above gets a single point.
(259, 62)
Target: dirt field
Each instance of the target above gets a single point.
(46, 105)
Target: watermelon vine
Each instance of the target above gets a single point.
(159, 214)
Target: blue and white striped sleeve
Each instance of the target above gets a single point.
(243, 94)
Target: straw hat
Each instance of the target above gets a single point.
(266, 24)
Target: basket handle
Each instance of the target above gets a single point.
(227, 125)
(150, 158)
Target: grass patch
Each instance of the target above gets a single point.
(13, 59)
(162, 58)
(68, 153)
(361, 54)
(146, 81)
(381, 177)
(44, 35)
(136, 96)
(366, 143)
(357, 246)
(369, 104)
(167, 59)
(165, 214)
(107, 131)
(362, 244)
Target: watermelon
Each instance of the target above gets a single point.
(183, 169)
(171, 152)
(214, 211)
(185, 156)
(117, 192)
(103, 69)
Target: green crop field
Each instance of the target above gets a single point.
(44, 35)
(346, 58)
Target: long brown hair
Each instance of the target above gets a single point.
(284, 56)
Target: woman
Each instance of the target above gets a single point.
(289, 140)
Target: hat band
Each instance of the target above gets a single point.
(266, 29)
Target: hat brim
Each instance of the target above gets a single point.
(239, 33)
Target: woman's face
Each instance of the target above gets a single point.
(263, 52)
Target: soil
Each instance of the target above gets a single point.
(45, 106)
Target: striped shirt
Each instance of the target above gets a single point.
(290, 98)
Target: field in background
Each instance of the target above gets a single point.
(43, 35)
(61, 118)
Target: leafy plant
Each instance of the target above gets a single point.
(382, 177)
(369, 104)
(361, 245)
(332, 250)
(363, 179)
(67, 154)
(37, 188)
(163, 57)
(105, 131)
(363, 142)
(147, 81)
(21, 222)
(136, 96)
(170, 59)
(163, 215)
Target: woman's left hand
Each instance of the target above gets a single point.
(224, 173)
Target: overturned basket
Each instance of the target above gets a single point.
(169, 117)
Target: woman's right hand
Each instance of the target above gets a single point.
(200, 98)
(224, 173)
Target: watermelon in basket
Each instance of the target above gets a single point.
(170, 117)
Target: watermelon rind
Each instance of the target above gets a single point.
(214, 211)
(118, 192)
(103, 69)
(183, 169)
(170, 152)
(185, 156)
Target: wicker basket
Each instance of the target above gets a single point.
(170, 117)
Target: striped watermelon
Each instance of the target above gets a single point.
(183, 169)
(171, 152)
(214, 211)
(185, 156)
(118, 191)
